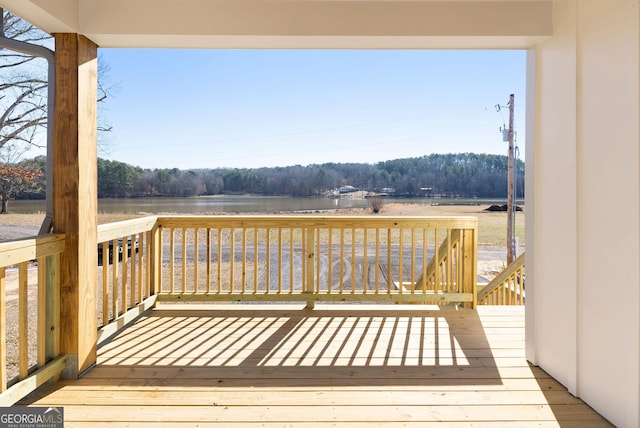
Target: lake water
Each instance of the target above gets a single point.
(235, 204)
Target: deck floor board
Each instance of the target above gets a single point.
(351, 365)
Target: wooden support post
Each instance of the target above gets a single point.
(75, 196)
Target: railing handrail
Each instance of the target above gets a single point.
(433, 222)
(30, 248)
(115, 230)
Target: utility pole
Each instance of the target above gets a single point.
(510, 208)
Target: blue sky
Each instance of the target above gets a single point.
(253, 108)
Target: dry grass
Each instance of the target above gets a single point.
(492, 226)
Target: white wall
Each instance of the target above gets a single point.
(586, 213)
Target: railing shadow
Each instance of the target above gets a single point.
(346, 346)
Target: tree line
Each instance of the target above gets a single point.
(447, 175)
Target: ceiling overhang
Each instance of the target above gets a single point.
(392, 24)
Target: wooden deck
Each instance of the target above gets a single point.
(337, 365)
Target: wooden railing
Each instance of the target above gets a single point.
(126, 267)
(307, 258)
(227, 258)
(33, 310)
(507, 288)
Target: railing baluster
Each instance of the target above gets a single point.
(377, 273)
(184, 259)
(308, 260)
(52, 303)
(42, 312)
(330, 262)
(413, 260)
(154, 256)
(353, 259)
(219, 272)
(341, 260)
(196, 259)
(317, 256)
(401, 261)
(139, 254)
(208, 260)
(125, 272)
(280, 260)
(521, 286)
(172, 260)
(303, 260)
(436, 251)
(389, 267)
(125, 254)
(113, 256)
(244, 260)
(449, 283)
(255, 260)
(3, 331)
(291, 261)
(232, 257)
(425, 249)
(365, 261)
(105, 283)
(268, 262)
(23, 321)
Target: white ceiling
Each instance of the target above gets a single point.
(295, 23)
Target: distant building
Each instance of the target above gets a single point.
(347, 189)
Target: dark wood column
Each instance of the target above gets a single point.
(75, 195)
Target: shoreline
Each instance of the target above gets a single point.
(492, 225)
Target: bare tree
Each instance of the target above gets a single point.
(106, 89)
(376, 202)
(23, 91)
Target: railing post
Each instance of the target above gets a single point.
(155, 260)
(469, 251)
(309, 286)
